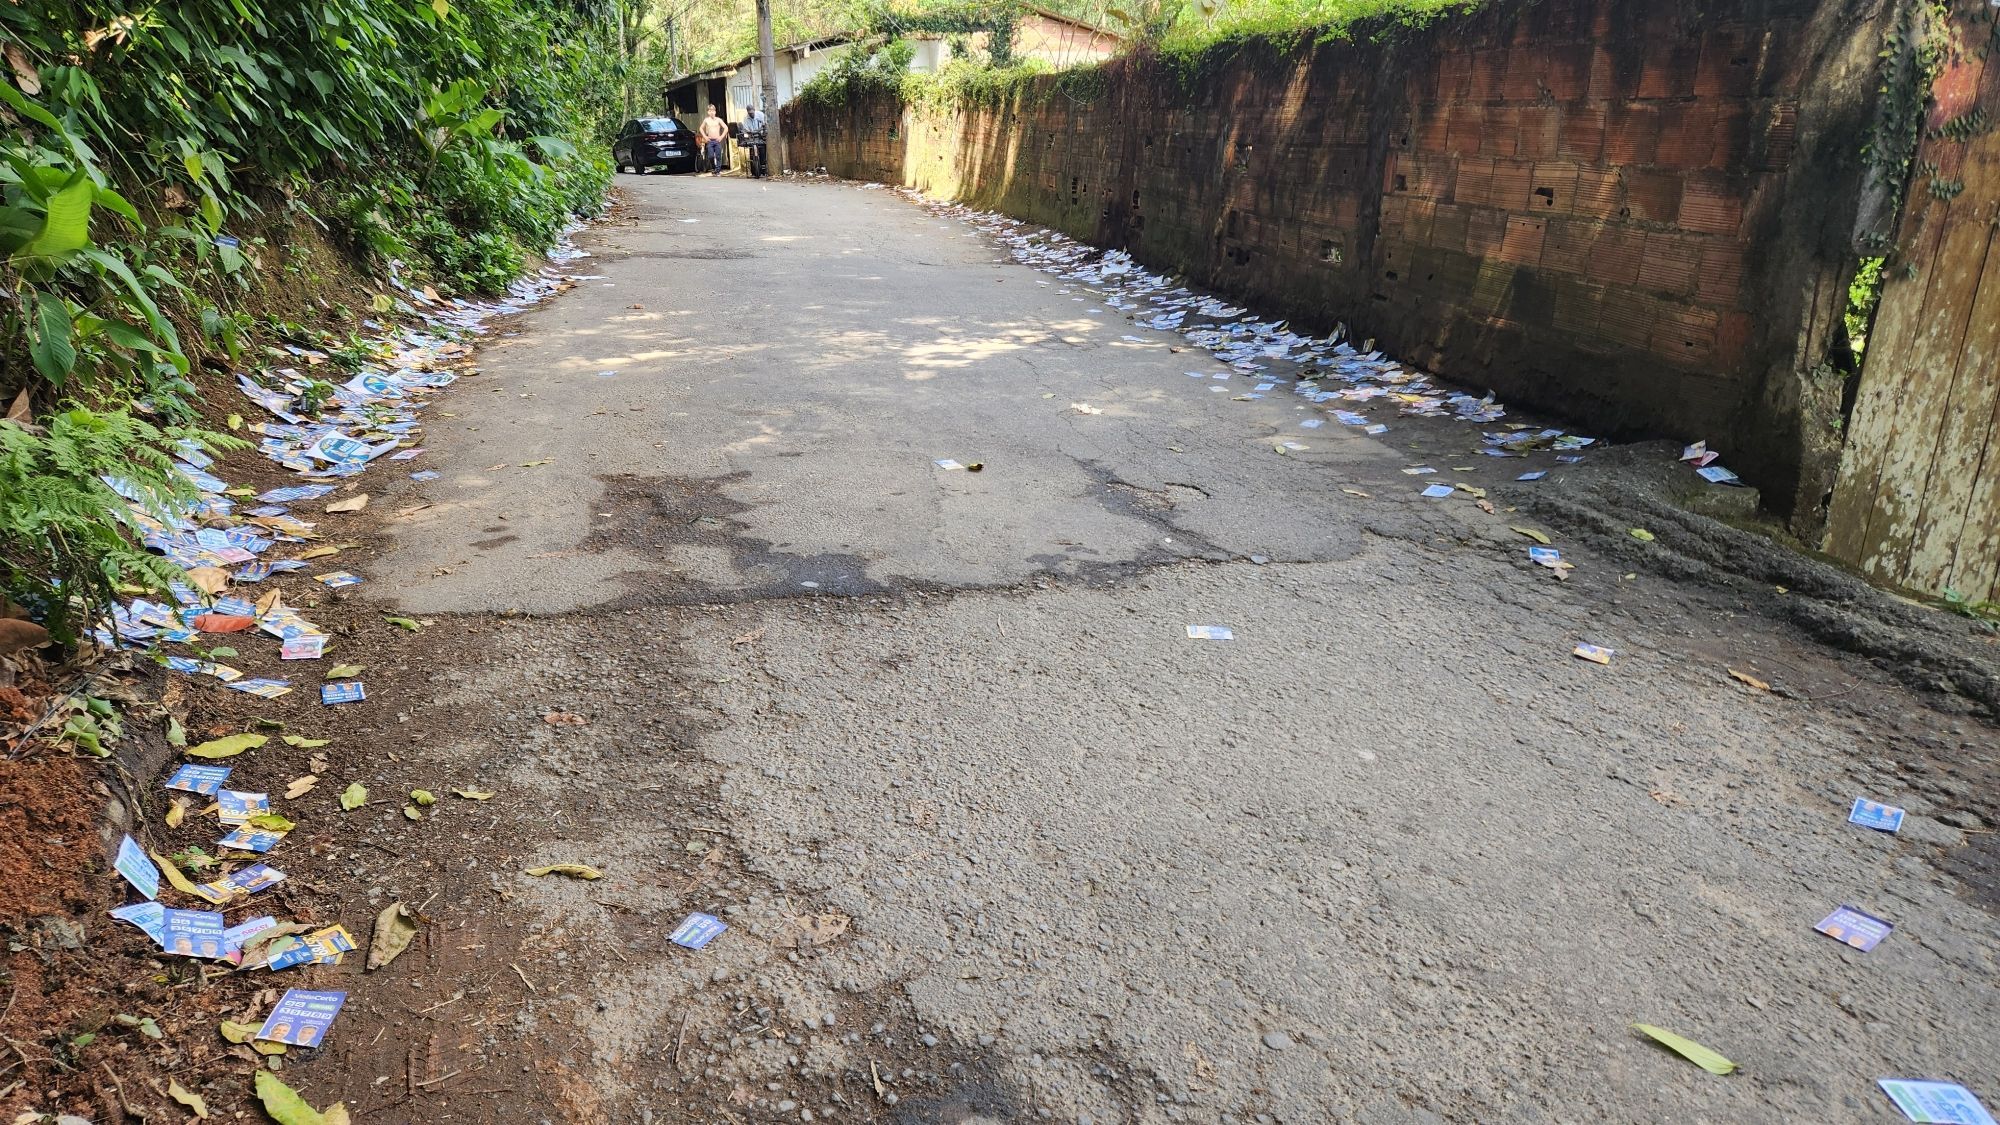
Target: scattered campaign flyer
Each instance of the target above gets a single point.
(1937, 1102)
(302, 1017)
(426, 474)
(237, 807)
(948, 465)
(205, 780)
(697, 930)
(234, 937)
(321, 947)
(241, 884)
(262, 688)
(249, 839)
(137, 867)
(336, 579)
(1870, 814)
(1536, 475)
(1210, 633)
(1596, 654)
(303, 647)
(1545, 556)
(1716, 474)
(192, 933)
(148, 916)
(1857, 928)
(1439, 491)
(349, 691)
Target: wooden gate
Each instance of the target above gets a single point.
(1917, 503)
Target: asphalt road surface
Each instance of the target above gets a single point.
(996, 839)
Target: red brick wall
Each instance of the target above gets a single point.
(1626, 211)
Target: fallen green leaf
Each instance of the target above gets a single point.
(344, 671)
(403, 623)
(381, 303)
(187, 1098)
(411, 812)
(237, 1032)
(473, 794)
(354, 796)
(423, 797)
(1687, 1048)
(286, 1107)
(1541, 537)
(573, 870)
(304, 742)
(219, 653)
(177, 734)
(271, 822)
(82, 1041)
(144, 1024)
(395, 928)
(1642, 535)
(228, 747)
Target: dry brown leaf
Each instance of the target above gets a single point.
(267, 603)
(819, 929)
(300, 786)
(353, 503)
(564, 719)
(23, 410)
(25, 75)
(210, 580)
(1747, 678)
(16, 634)
(749, 638)
(223, 623)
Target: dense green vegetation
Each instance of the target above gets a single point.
(156, 164)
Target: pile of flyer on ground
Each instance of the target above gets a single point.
(230, 545)
(327, 426)
(1258, 356)
(1327, 372)
(256, 941)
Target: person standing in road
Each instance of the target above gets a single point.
(753, 140)
(715, 141)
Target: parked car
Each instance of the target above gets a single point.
(646, 143)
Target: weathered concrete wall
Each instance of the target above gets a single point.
(1918, 502)
(1631, 212)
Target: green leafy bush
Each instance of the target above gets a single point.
(148, 148)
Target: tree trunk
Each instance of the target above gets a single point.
(774, 137)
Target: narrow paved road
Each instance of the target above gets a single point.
(997, 840)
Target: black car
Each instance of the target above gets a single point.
(646, 143)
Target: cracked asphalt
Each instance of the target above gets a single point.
(997, 841)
